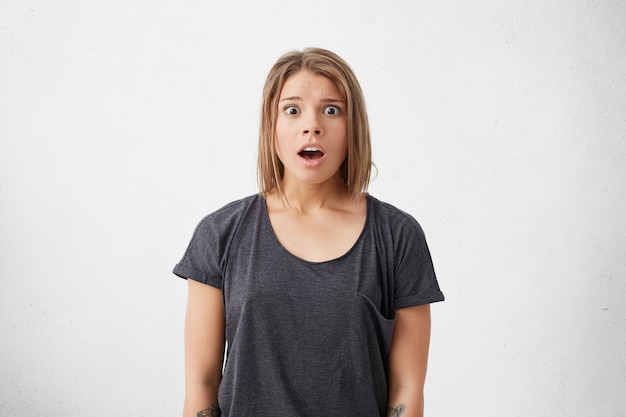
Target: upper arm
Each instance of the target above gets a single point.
(204, 334)
(408, 356)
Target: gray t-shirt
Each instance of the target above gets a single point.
(308, 338)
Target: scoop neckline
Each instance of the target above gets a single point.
(268, 224)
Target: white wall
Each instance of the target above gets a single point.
(500, 125)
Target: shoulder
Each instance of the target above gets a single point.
(228, 217)
(234, 208)
(398, 221)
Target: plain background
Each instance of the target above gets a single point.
(500, 125)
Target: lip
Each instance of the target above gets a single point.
(311, 163)
(313, 145)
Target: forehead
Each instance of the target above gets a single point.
(305, 83)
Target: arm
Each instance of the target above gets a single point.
(408, 358)
(204, 350)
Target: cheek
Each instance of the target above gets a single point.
(342, 144)
(282, 130)
(282, 145)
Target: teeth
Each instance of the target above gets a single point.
(310, 149)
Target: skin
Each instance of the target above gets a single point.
(320, 222)
(204, 347)
(408, 359)
(396, 411)
(311, 112)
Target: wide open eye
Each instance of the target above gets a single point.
(332, 110)
(291, 110)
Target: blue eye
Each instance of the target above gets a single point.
(291, 110)
(332, 110)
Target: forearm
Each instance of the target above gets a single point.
(201, 401)
(204, 350)
(406, 402)
(408, 359)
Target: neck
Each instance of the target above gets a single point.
(303, 197)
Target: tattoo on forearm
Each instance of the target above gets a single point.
(212, 411)
(396, 411)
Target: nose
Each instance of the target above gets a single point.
(312, 126)
(317, 131)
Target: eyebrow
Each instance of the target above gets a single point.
(325, 100)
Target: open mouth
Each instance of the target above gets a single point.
(311, 153)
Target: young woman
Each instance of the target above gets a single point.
(320, 291)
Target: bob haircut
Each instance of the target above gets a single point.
(356, 169)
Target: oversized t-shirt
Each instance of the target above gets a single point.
(308, 338)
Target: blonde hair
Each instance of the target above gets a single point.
(356, 169)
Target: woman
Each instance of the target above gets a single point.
(320, 291)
